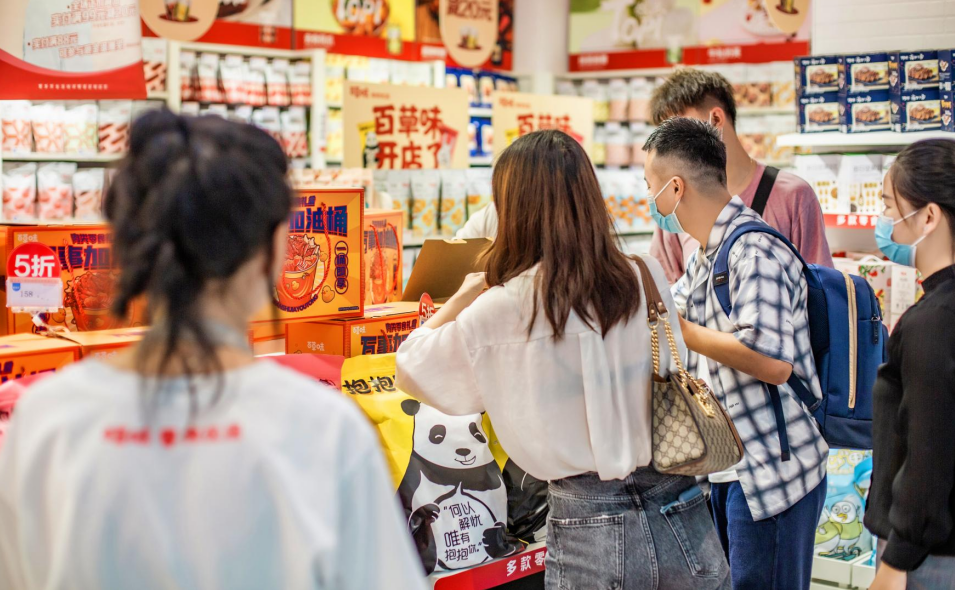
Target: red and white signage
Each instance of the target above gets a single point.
(850, 220)
(495, 573)
(33, 278)
(426, 309)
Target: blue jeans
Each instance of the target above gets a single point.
(937, 572)
(646, 532)
(770, 554)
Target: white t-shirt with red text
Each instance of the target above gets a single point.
(278, 484)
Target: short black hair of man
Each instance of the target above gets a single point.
(687, 88)
(695, 143)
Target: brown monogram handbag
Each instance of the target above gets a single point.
(692, 434)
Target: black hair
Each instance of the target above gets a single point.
(195, 199)
(688, 88)
(924, 173)
(695, 143)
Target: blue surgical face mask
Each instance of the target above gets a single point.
(903, 254)
(668, 223)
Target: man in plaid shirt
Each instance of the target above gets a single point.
(766, 509)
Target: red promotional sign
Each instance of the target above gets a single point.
(426, 309)
(33, 261)
(851, 220)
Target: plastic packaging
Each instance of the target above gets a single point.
(255, 82)
(154, 63)
(619, 92)
(47, 122)
(19, 192)
(15, 124)
(454, 196)
(54, 182)
(187, 66)
(115, 117)
(425, 189)
(479, 189)
(276, 81)
(208, 78)
(294, 132)
(232, 72)
(80, 129)
(88, 191)
(300, 83)
(399, 188)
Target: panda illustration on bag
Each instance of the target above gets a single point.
(453, 492)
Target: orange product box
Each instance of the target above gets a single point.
(322, 275)
(22, 355)
(85, 254)
(103, 344)
(381, 331)
(383, 255)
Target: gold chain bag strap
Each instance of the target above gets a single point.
(692, 434)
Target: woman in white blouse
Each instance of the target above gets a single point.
(557, 351)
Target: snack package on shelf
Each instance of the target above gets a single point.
(860, 184)
(820, 113)
(619, 95)
(754, 137)
(294, 132)
(334, 136)
(947, 105)
(759, 88)
(54, 183)
(268, 119)
(300, 83)
(88, 192)
(80, 129)
(379, 179)
(241, 114)
(627, 196)
(15, 122)
(154, 63)
(619, 145)
(639, 137)
(735, 74)
(864, 72)
(822, 174)
(19, 191)
(276, 82)
(867, 111)
(598, 149)
(232, 72)
(911, 71)
(334, 84)
(425, 191)
(918, 110)
(897, 286)
(188, 61)
(946, 62)
(115, 117)
(486, 87)
(641, 89)
(383, 253)
(784, 87)
(420, 74)
(47, 120)
(469, 84)
(597, 91)
(399, 188)
(454, 196)
(480, 194)
(818, 74)
(207, 74)
(255, 89)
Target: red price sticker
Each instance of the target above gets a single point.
(33, 279)
(33, 260)
(426, 309)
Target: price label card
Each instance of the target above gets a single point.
(34, 294)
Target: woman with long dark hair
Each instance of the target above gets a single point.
(183, 463)
(911, 505)
(557, 351)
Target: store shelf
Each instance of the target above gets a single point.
(483, 112)
(857, 140)
(247, 51)
(481, 160)
(862, 573)
(606, 75)
(760, 111)
(34, 157)
(494, 573)
(158, 95)
(850, 221)
(836, 571)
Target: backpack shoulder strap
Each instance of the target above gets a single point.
(721, 275)
(764, 188)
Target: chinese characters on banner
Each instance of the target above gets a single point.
(469, 30)
(73, 49)
(514, 115)
(402, 127)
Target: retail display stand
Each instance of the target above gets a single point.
(493, 573)
(828, 574)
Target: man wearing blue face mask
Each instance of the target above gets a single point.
(767, 507)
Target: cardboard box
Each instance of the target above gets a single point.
(817, 74)
(103, 344)
(441, 267)
(381, 331)
(913, 70)
(864, 72)
(919, 110)
(821, 112)
(867, 111)
(22, 355)
(87, 270)
(323, 275)
(946, 63)
(383, 266)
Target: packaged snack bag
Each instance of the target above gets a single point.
(454, 196)
(300, 83)
(383, 252)
(54, 182)
(399, 188)
(15, 124)
(47, 122)
(619, 93)
(619, 146)
(207, 74)
(269, 120)
(641, 90)
(455, 504)
(80, 129)
(115, 117)
(232, 72)
(597, 91)
(187, 65)
(479, 189)
(294, 132)
(255, 82)
(840, 534)
(88, 193)
(19, 192)
(154, 63)
(598, 150)
(486, 87)
(425, 190)
(276, 81)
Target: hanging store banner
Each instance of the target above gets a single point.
(629, 34)
(70, 49)
(469, 30)
(515, 114)
(403, 127)
(248, 23)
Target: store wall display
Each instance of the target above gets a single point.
(52, 191)
(51, 49)
(396, 127)
(516, 114)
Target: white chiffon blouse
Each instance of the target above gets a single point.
(559, 408)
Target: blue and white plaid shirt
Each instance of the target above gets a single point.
(769, 315)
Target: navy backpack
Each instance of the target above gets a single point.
(848, 344)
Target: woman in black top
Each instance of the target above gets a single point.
(911, 504)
